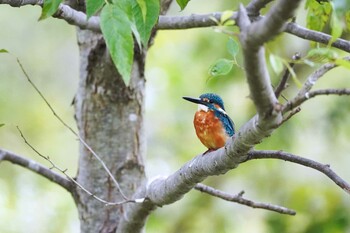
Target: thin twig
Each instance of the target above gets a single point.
(324, 168)
(37, 168)
(72, 131)
(308, 95)
(64, 171)
(282, 85)
(292, 113)
(239, 199)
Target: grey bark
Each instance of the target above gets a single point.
(109, 116)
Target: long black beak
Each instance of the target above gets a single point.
(195, 100)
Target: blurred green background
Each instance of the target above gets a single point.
(177, 65)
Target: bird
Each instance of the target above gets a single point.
(212, 124)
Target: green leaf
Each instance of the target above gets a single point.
(49, 8)
(182, 3)
(225, 17)
(321, 55)
(115, 26)
(232, 47)
(3, 51)
(1, 125)
(318, 14)
(93, 6)
(276, 63)
(347, 21)
(143, 6)
(336, 27)
(221, 67)
(343, 63)
(145, 23)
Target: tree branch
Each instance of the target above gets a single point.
(283, 83)
(168, 190)
(78, 19)
(311, 94)
(254, 7)
(239, 199)
(324, 168)
(72, 131)
(304, 92)
(64, 12)
(37, 168)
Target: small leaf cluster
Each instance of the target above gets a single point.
(335, 13)
(223, 66)
(122, 22)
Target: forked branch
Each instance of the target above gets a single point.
(37, 168)
(324, 168)
(238, 198)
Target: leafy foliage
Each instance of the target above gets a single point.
(145, 13)
(182, 3)
(119, 20)
(115, 26)
(335, 13)
(49, 8)
(318, 14)
(93, 6)
(221, 67)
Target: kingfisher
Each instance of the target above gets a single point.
(212, 124)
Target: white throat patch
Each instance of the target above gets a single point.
(202, 107)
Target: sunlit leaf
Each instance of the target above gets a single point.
(318, 14)
(143, 6)
(292, 73)
(276, 63)
(182, 3)
(232, 47)
(3, 51)
(93, 6)
(226, 16)
(343, 63)
(221, 67)
(347, 21)
(336, 27)
(321, 55)
(115, 26)
(145, 24)
(49, 8)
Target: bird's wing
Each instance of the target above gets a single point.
(229, 125)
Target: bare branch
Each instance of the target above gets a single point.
(273, 23)
(320, 37)
(254, 7)
(164, 6)
(304, 92)
(282, 85)
(71, 130)
(239, 199)
(71, 180)
(170, 189)
(255, 66)
(291, 114)
(64, 12)
(37, 168)
(311, 94)
(324, 168)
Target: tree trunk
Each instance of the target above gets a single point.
(109, 116)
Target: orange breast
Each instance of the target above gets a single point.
(209, 129)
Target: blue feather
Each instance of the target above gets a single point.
(224, 118)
